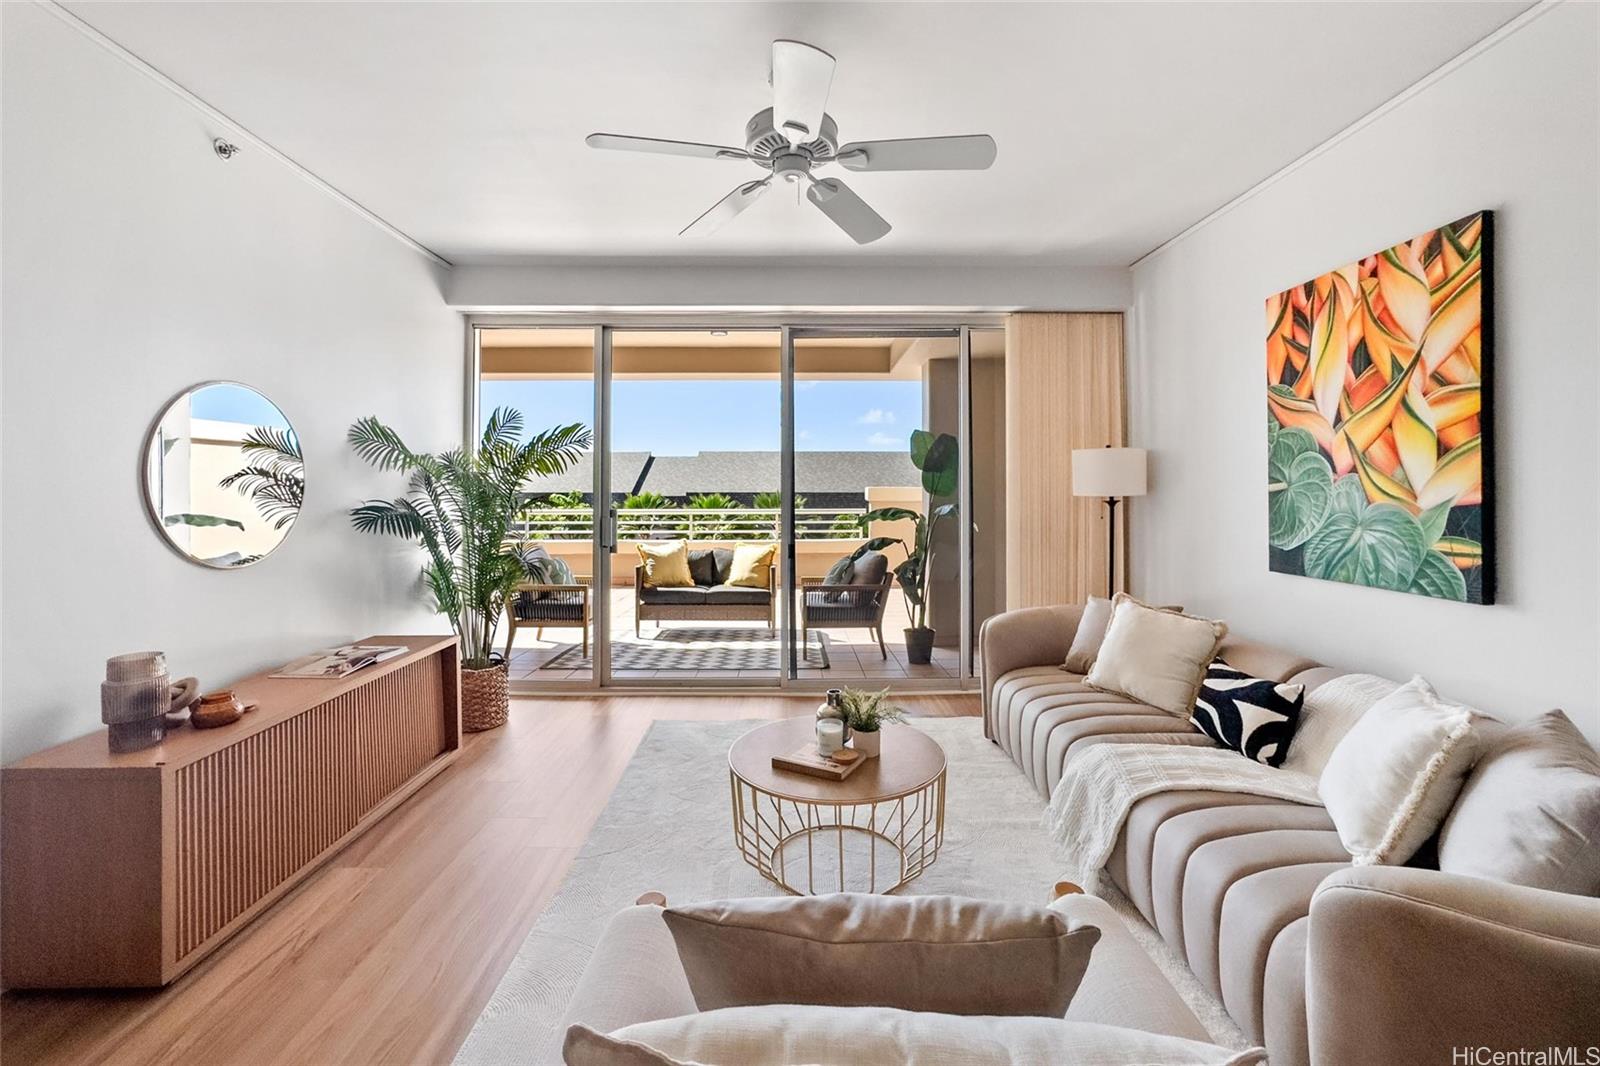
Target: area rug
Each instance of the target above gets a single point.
(667, 828)
(698, 648)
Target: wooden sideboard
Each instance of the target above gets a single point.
(126, 870)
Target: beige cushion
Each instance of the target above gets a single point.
(1091, 633)
(1392, 779)
(666, 564)
(752, 564)
(927, 953)
(1330, 710)
(1530, 812)
(1124, 986)
(1154, 655)
(784, 1034)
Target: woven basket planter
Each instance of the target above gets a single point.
(485, 698)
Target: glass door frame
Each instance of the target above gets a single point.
(606, 542)
(962, 335)
(791, 326)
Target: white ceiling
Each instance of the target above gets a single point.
(1118, 124)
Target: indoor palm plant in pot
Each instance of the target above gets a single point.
(461, 506)
(936, 455)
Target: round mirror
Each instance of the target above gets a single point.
(223, 475)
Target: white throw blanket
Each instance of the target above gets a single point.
(1103, 782)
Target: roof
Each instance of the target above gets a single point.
(738, 472)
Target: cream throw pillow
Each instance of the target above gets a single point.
(1396, 773)
(1154, 655)
(752, 565)
(666, 564)
(1331, 710)
(784, 1034)
(1090, 635)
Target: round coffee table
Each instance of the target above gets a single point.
(882, 825)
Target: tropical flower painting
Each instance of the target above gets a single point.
(1377, 427)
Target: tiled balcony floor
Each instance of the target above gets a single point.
(853, 653)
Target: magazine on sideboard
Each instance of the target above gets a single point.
(341, 661)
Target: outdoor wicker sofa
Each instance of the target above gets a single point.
(702, 602)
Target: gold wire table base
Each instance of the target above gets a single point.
(770, 831)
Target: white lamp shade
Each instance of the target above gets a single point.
(1108, 472)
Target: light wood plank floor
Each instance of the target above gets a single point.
(388, 953)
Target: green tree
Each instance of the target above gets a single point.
(460, 508)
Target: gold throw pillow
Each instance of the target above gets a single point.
(666, 564)
(752, 565)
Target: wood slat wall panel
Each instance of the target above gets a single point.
(1064, 390)
(252, 815)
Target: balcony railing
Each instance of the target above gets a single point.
(691, 523)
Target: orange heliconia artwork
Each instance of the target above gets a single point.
(1377, 427)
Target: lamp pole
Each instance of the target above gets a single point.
(1111, 549)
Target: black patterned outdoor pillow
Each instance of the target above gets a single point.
(1250, 715)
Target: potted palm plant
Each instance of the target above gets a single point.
(461, 506)
(937, 456)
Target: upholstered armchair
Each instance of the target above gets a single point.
(844, 606)
(548, 606)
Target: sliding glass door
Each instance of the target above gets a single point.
(880, 548)
(551, 629)
(694, 431)
(764, 505)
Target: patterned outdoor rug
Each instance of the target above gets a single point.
(697, 648)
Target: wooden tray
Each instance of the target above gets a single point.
(806, 760)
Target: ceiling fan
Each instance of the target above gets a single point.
(794, 135)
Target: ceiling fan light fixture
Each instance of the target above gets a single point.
(796, 134)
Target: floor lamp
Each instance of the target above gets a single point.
(1111, 474)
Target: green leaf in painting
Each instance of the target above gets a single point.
(1381, 547)
(1433, 521)
(1348, 496)
(1299, 484)
(1438, 577)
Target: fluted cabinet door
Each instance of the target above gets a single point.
(136, 866)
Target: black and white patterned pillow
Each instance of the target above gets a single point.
(1250, 715)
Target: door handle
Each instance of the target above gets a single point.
(608, 530)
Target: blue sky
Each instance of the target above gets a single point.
(684, 417)
(235, 403)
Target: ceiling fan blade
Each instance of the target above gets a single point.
(623, 143)
(848, 211)
(801, 75)
(725, 209)
(974, 152)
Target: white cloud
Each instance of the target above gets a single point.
(804, 434)
(806, 384)
(883, 440)
(877, 417)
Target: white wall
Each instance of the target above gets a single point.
(772, 285)
(1514, 129)
(137, 263)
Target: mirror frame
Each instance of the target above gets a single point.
(151, 511)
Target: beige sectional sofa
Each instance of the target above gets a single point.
(1320, 961)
